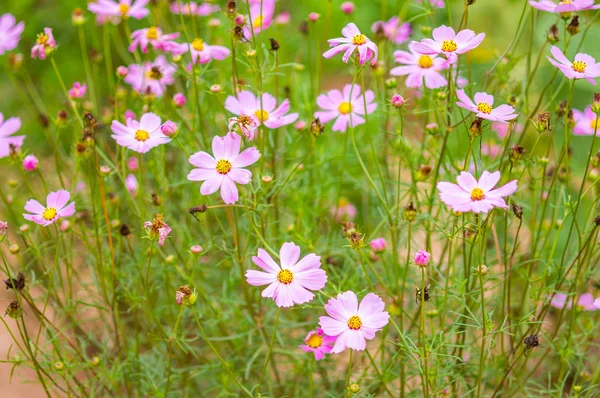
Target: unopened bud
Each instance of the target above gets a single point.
(553, 35)
(316, 127)
(573, 27)
(475, 129)
(410, 212)
(516, 153)
(542, 122)
(77, 17)
(518, 211)
(354, 388)
(596, 103)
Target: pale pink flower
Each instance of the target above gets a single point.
(193, 8)
(564, 6)
(260, 18)
(44, 45)
(132, 185)
(393, 30)
(449, 43)
(378, 245)
(318, 343)
(262, 112)
(586, 122)
(353, 41)
(30, 163)
(139, 136)
(420, 67)
(283, 18)
(115, 10)
(158, 229)
(225, 169)
(351, 323)
(133, 163)
(501, 128)
(78, 90)
(10, 33)
(475, 196)
(7, 140)
(56, 207)
(583, 66)
(346, 106)
(483, 107)
(152, 36)
(151, 77)
(422, 258)
(343, 211)
(291, 282)
(200, 52)
(585, 301)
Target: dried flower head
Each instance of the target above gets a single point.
(422, 294)
(185, 295)
(410, 212)
(14, 310)
(531, 342)
(17, 283)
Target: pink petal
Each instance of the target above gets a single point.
(289, 255)
(229, 191)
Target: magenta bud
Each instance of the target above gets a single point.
(169, 128)
(30, 163)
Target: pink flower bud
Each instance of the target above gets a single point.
(214, 22)
(78, 90)
(283, 18)
(422, 258)
(169, 128)
(378, 245)
(240, 20)
(132, 185)
(64, 225)
(179, 100)
(300, 125)
(196, 249)
(397, 100)
(129, 114)
(30, 163)
(215, 88)
(347, 7)
(313, 16)
(132, 163)
(122, 71)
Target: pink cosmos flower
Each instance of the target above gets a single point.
(319, 343)
(115, 10)
(351, 323)
(564, 6)
(449, 43)
(490, 149)
(501, 128)
(352, 41)
(291, 282)
(345, 109)
(586, 122)
(44, 45)
(139, 136)
(269, 114)
(261, 18)
(78, 90)
(245, 124)
(378, 245)
(151, 77)
(151, 36)
(225, 169)
(10, 33)
(422, 258)
(56, 207)
(476, 196)
(201, 52)
(30, 163)
(283, 18)
(192, 8)
(583, 67)
(347, 7)
(483, 107)
(420, 67)
(393, 30)
(343, 211)
(586, 301)
(7, 128)
(132, 185)
(158, 229)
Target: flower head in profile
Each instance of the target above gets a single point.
(564, 6)
(346, 106)
(245, 125)
(139, 136)
(151, 77)
(261, 111)
(477, 196)
(152, 36)
(158, 229)
(353, 41)
(200, 51)
(291, 282)
(78, 90)
(449, 43)
(193, 8)
(586, 122)
(56, 207)
(585, 302)
(260, 18)
(7, 140)
(353, 324)
(318, 343)
(225, 169)
(115, 10)
(482, 107)
(392, 30)
(10, 32)
(44, 45)
(420, 67)
(583, 66)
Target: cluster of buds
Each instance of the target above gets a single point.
(542, 122)
(184, 295)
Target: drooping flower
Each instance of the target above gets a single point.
(151, 77)
(201, 52)
(152, 36)
(449, 43)
(157, 229)
(225, 169)
(291, 282)
(564, 6)
(393, 30)
(193, 8)
(78, 90)
(115, 10)
(56, 207)
(262, 112)
(378, 245)
(586, 122)
(346, 106)
(7, 140)
(44, 45)
(585, 301)
(353, 324)
(30, 163)
(260, 18)
(10, 33)
(353, 41)
(420, 67)
(471, 195)
(422, 258)
(583, 66)
(318, 343)
(139, 136)
(483, 107)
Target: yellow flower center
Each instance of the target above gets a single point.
(152, 33)
(477, 194)
(49, 214)
(579, 66)
(142, 135)
(449, 46)
(314, 341)
(261, 115)
(257, 23)
(42, 38)
(198, 44)
(285, 276)
(244, 120)
(425, 62)
(223, 166)
(484, 108)
(123, 9)
(595, 124)
(154, 73)
(354, 322)
(345, 108)
(359, 40)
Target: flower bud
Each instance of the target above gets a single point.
(251, 53)
(422, 258)
(347, 7)
(410, 212)
(553, 35)
(179, 100)
(77, 17)
(518, 211)
(122, 71)
(475, 129)
(354, 388)
(184, 295)
(482, 269)
(542, 122)
(30, 163)
(316, 127)
(596, 103)
(300, 125)
(231, 9)
(314, 17)
(13, 248)
(14, 310)
(266, 179)
(397, 100)
(239, 20)
(59, 365)
(516, 153)
(169, 128)
(573, 27)
(196, 249)
(378, 245)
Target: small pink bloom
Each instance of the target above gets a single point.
(239, 20)
(245, 125)
(300, 125)
(501, 128)
(10, 33)
(152, 36)
(30, 163)
(260, 18)
(7, 140)
(313, 16)
(449, 43)
(122, 71)
(179, 100)
(353, 41)
(225, 169)
(393, 30)
(346, 109)
(151, 77)
(200, 52)
(44, 45)
(128, 114)
(583, 66)
(347, 7)
(318, 343)
(3, 229)
(78, 90)
(179, 296)
(139, 136)
(420, 67)
(169, 128)
(158, 229)
(196, 249)
(476, 196)
(422, 258)
(378, 245)
(351, 323)
(132, 185)
(283, 18)
(116, 10)
(262, 112)
(343, 211)
(133, 163)
(192, 8)
(564, 6)
(586, 122)
(64, 225)
(397, 100)
(585, 301)
(483, 107)
(56, 207)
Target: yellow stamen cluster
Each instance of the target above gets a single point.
(123, 9)
(449, 46)
(354, 322)
(359, 40)
(261, 115)
(198, 44)
(244, 120)
(223, 166)
(345, 108)
(257, 23)
(42, 38)
(142, 135)
(49, 214)
(158, 222)
(285, 276)
(477, 194)
(314, 341)
(425, 61)
(595, 124)
(579, 66)
(152, 33)
(484, 108)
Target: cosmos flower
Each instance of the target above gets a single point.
(139, 136)
(353, 324)
(585, 302)
(201, 52)
(115, 10)
(158, 229)
(419, 68)
(378, 245)
(449, 43)
(353, 41)
(56, 207)
(347, 110)
(44, 45)
(7, 128)
(153, 36)
(259, 19)
(151, 77)
(78, 90)
(392, 30)
(586, 122)
(583, 66)
(343, 211)
(475, 196)
(422, 258)
(564, 6)
(30, 163)
(10, 32)
(225, 169)
(245, 124)
(318, 343)
(291, 282)
(483, 107)
(193, 8)
(267, 112)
